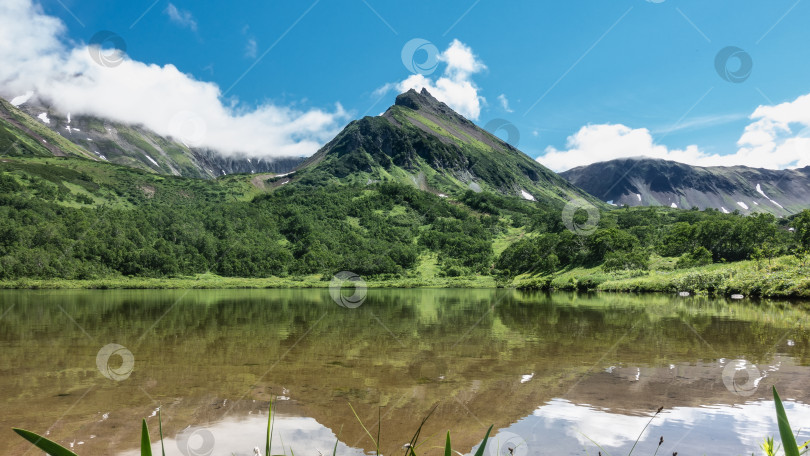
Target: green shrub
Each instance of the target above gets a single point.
(700, 256)
(636, 259)
(701, 281)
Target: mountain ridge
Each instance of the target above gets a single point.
(133, 145)
(421, 140)
(642, 181)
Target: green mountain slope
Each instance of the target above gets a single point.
(421, 141)
(418, 196)
(20, 134)
(131, 145)
(68, 213)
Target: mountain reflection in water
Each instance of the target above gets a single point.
(553, 371)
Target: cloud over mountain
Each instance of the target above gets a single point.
(162, 98)
(778, 137)
(454, 86)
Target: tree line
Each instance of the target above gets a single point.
(382, 230)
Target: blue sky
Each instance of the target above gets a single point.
(561, 65)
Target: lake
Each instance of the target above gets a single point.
(555, 373)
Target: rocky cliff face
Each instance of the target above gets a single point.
(654, 182)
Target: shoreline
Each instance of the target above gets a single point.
(227, 283)
(782, 278)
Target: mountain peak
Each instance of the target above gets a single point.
(416, 100)
(422, 141)
(425, 102)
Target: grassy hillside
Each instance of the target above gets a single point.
(85, 183)
(20, 134)
(41, 130)
(418, 197)
(423, 143)
(782, 277)
(69, 222)
(71, 218)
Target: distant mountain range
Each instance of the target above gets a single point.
(418, 195)
(421, 141)
(655, 182)
(129, 145)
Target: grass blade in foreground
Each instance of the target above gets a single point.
(146, 445)
(480, 451)
(337, 440)
(447, 450)
(376, 443)
(269, 439)
(601, 450)
(410, 446)
(644, 429)
(52, 448)
(767, 447)
(160, 429)
(788, 441)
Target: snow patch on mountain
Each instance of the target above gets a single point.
(17, 101)
(151, 159)
(759, 190)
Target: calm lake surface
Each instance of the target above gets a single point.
(554, 373)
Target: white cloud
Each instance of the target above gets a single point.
(455, 86)
(778, 137)
(251, 48)
(504, 102)
(180, 17)
(161, 98)
(596, 143)
(460, 60)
